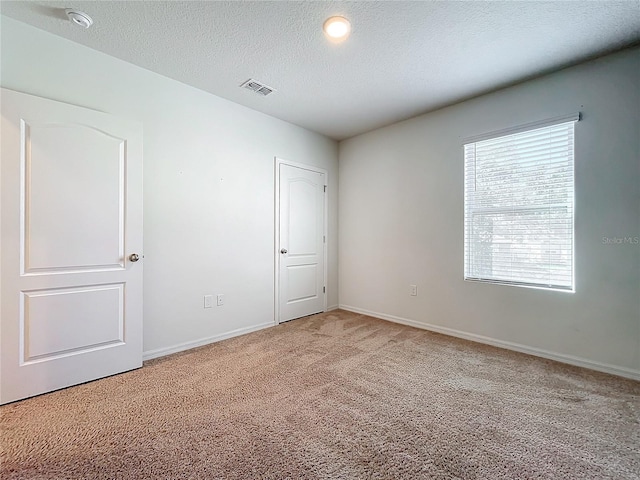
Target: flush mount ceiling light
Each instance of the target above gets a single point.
(337, 28)
(79, 18)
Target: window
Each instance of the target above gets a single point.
(518, 205)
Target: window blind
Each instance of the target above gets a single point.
(519, 191)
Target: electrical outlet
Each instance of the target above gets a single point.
(413, 290)
(208, 301)
(219, 300)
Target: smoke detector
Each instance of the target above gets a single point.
(79, 18)
(258, 87)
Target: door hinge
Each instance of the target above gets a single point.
(324, 289)
(325, 188)
(324, 239)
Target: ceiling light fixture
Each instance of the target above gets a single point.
(79, 18)
(337, 28)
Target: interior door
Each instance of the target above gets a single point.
(301, 242)
(71, 281)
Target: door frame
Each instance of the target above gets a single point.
(277, 256)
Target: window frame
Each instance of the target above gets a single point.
(470, 211)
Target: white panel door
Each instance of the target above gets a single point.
(71, 284)
(301, 242)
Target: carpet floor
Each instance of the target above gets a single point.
(332, 396)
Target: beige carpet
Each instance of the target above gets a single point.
(336, 395)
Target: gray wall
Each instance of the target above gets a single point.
(208, 184)
(401, 221)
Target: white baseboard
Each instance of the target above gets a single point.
(333, 307)
(161, 352)
(538, 352)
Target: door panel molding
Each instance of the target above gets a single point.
(38, 219)
(46, 306)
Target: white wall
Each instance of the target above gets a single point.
(401, 221)
(208, 183)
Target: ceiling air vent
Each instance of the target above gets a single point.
(259, 88)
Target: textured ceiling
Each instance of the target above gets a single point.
(403, 58)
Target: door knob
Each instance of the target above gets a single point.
(283, 251)
(134, 257)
